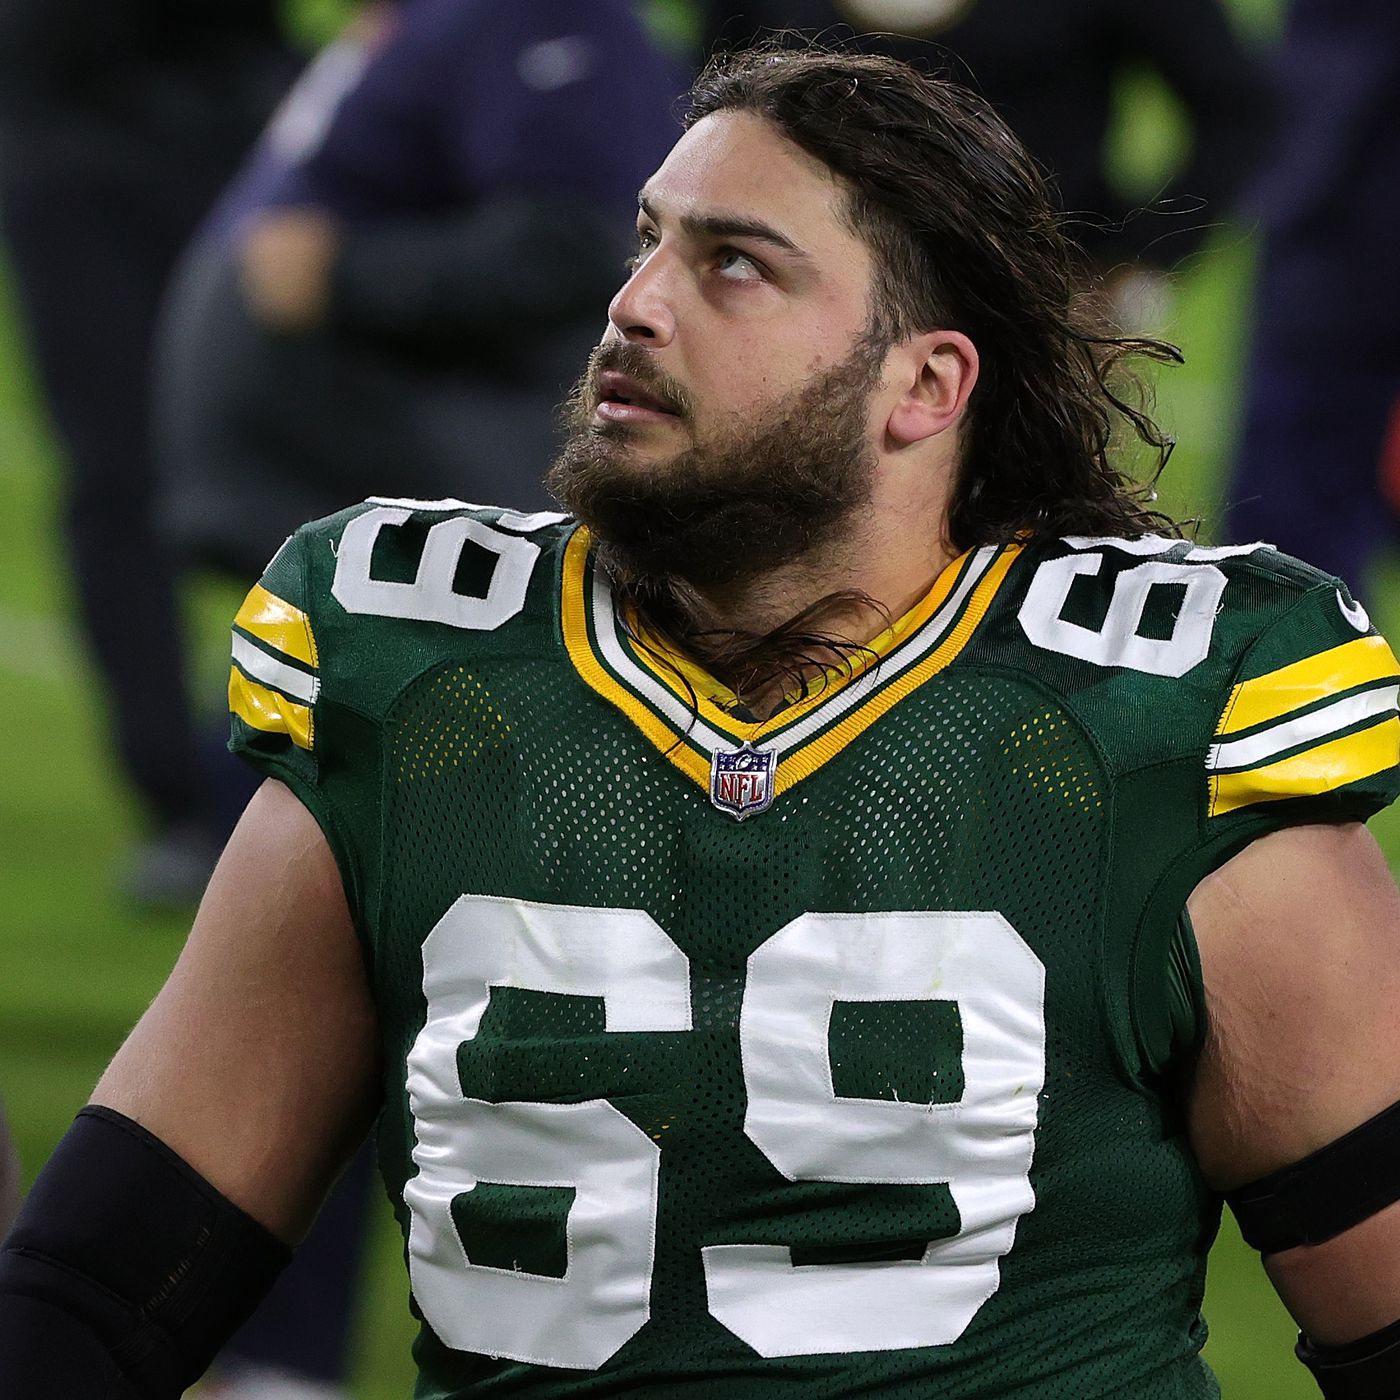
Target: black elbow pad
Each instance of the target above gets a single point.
(125, 1268)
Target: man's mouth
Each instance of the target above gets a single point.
(621, 398)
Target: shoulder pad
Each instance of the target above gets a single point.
(462, 567)
(1261, 663)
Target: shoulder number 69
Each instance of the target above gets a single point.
(1117, 641)
(431, 596)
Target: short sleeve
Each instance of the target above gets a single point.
(279, 717)
(274, 674)
(1309, 731)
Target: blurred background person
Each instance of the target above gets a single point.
(1053, 69)
(397, 292)
(392, 297)
(1323, 368)
(120, 121)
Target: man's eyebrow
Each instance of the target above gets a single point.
(726, 225)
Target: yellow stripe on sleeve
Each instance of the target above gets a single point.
(1305, 682)
(1318, 770)
(275, 621)
(268, 711)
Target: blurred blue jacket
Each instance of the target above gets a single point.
(483, 157)
(1329, 199)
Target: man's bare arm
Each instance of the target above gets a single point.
(256, 1061)
(165, 1212)
(1299, 937)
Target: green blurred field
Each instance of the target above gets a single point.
(77, 967)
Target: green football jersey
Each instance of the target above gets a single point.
(824, 1056)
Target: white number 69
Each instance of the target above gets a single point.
(1117, 641)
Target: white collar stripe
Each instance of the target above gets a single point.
(654, 691)
(910, 651)
(651, 689)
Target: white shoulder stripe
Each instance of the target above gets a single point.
(267, 669)
(422, 503)
(1160, 544)
(1330, 719)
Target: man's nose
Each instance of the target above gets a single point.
(642, 311)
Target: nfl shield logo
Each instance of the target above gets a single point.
(741, 783)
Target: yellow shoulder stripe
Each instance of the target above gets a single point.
(1304, 682)
(275, 621)
(268, 711)
(1319, 770)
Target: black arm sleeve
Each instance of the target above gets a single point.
(125, 1271)
(43, 1352)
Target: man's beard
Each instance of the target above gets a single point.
(732, 509)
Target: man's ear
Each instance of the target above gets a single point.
(940, 370)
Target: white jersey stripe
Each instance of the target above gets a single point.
(269, 671)
(1320, 724)
(661, 697)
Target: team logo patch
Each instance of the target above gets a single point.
(741, 783)
(1354, 613)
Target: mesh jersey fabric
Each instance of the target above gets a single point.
(868, 1093)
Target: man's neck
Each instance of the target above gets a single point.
(770, 635)
(890, 568)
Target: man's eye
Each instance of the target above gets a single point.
(646, 241)
(737, 266)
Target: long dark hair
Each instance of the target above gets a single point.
(965, 237)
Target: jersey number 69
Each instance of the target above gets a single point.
(981, 1146)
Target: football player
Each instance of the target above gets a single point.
(834, 916)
